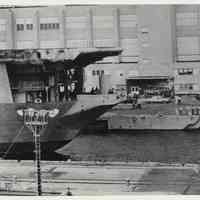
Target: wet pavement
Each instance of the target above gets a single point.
(90, 178)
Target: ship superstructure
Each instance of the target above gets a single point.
(30, 80)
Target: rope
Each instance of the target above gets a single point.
(12, 143)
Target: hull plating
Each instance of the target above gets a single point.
(16, 139)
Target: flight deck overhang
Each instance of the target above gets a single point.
(70, 58)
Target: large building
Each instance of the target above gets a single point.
(158, 41)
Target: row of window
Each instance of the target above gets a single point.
(185, 71)
(97, 72)
(21, 27)
(187, 86)
(46, 26)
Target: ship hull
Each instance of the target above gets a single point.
(16, 140)
(153, 122)
(24, 150)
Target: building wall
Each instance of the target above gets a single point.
(156, 39)
(155, 34)
(117, 73)
(186, 68)
(187, 79)
(187, 32)
(146, 37)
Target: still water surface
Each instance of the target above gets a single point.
(160, 146)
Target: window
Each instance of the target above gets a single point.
(97, 72)
(185, 71)
(29, 26)
(49, 26)
(20, 27)
(93, 72)
(57, 26)
(190, 86)
(41, 26)
(45, 26)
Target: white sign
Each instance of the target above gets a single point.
(33, 116)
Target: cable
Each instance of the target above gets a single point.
(12, 143)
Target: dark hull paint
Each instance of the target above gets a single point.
(154, 130)
(25, 151)
(16, 140)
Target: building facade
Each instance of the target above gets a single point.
(157, 40)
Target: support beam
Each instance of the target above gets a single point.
(5, 89)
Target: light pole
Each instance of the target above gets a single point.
(36, 121)
(36, 135)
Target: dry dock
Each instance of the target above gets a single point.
(90, 178)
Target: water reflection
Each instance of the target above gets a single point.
(160, 146)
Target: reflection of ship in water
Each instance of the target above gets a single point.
(31, 80)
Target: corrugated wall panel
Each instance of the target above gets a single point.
(128, 33)
(103, 33)
(3, 45)
(186, 19)
(104, 43)
(72, 11)
(49, 20)
(130, 47)
(49, 35)
(25, 35)
(2, 35)
(128, 20)
(49, 44)
(77, 30)
(103, 22)
(188, 57)
(182, 31)
(187, 8)
(103, 29)
(127, 9)
(25, 44)
(187, 32)
(77, 43)
(187, 45)
(77, 34)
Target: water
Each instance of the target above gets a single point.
(136, 146)
(160, 146)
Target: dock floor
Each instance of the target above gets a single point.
(90, 178)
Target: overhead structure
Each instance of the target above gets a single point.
(44, 56)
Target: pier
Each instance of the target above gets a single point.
(96, 178)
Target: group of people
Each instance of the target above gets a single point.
(67, 92)
(94, 90)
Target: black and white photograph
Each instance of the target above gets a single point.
(99, 99)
